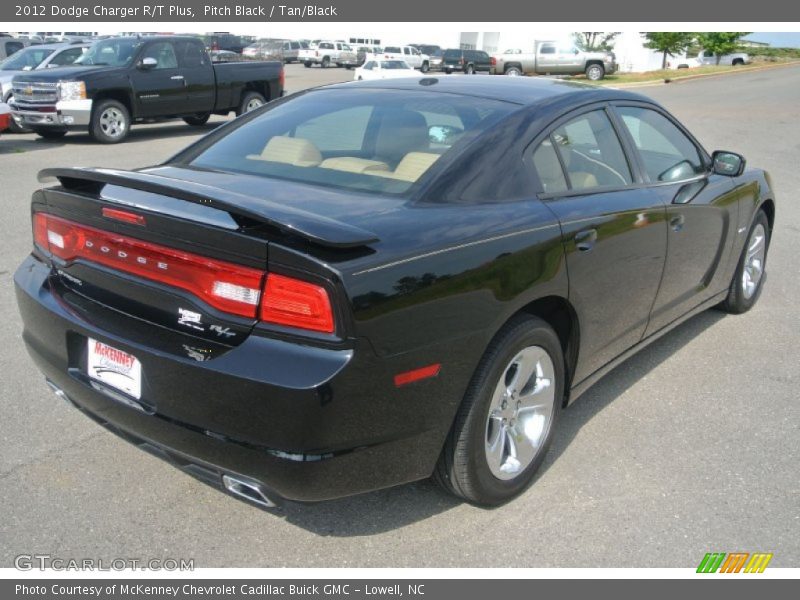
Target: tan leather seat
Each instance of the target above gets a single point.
(298, 152)
(412, 167)
(352, 164)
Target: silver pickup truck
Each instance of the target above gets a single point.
(554, 58)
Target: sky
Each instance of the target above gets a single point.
(778, 40)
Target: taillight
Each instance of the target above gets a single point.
(223, 285)
(226, 286)
(295, 303)
(493, 61)
(282, 78)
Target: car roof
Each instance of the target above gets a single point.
(58, 45)
(525, 91)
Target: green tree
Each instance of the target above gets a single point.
(668, 42)
(595, 40)
(720, 42)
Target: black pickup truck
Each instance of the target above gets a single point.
(124, 80)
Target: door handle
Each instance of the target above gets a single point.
(177, 77)
(676, 222)
(584, 240)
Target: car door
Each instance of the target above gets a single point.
(159, 90)
(546, 58)
(613, 229)
(702, 211)
(198, 77)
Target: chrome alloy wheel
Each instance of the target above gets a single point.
(754, 261)
(253, 104)
(113, 122)
(520, 413)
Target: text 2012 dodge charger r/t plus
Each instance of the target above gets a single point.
(369, 283)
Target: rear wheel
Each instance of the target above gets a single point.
(513, 71)
(110, 122)
(595, 72)
(307, 65)
(197, 120)
(749, 276)
(326, 62)
(505, 423)
(250, 101)
(470, 70)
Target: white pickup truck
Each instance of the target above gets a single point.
(325, 53)
(410, 55)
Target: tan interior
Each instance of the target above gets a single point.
(352, 164)
(412, 167)
(298, 152)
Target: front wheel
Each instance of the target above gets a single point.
(110, 122)
(250, 101)
(505, 423)
(425, 67)
(747, 281)
(595, 72)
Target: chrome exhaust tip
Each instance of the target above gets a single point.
(247, 489)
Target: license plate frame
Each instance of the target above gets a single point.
(113, 367)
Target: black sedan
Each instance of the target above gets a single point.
(371, 283)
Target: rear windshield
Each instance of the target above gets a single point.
(452, 53)
(361, 139)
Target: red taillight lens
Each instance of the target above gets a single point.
(282, 78)
(493, 61)
(225, 286)
(295, 303)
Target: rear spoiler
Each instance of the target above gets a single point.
(314, 228)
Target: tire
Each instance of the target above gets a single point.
(50, 134)
(469, 70)
(448, 71)
(737, 62)
(197, 120)
(13, 126)
(514, 72)
(595, 72)
(470, 465)
(110, 122)
(743, 291)
(326, 62)
(425, 67)
(250, 101)
(307, 65)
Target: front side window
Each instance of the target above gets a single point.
(371, 140)
(668, 154)
(164, 54)
(591, 152)
(67, 57)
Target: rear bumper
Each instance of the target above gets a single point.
(306, 423)
(63, 115)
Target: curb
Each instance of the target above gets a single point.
(703, 76)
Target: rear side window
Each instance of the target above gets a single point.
(591, 152)
(668, 154)
(371, 140)
(547, 49)
(548, 169)
(191, 54)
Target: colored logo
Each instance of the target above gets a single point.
(734, 562)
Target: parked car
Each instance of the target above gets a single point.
(466, 61)
(10, 45)
(225, 41)
(44, 56)
(219, 56)
(381, 68)
(410, 55)
(284, 50)
(5, 117)
(555, 58)
(362, 52)
(326, 53)
(126, 79)
(684, 62)
(707, 57)
(294, 308)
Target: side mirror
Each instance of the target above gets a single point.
(727, 163)
(147, 63)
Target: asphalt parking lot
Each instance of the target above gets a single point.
(692, 446)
